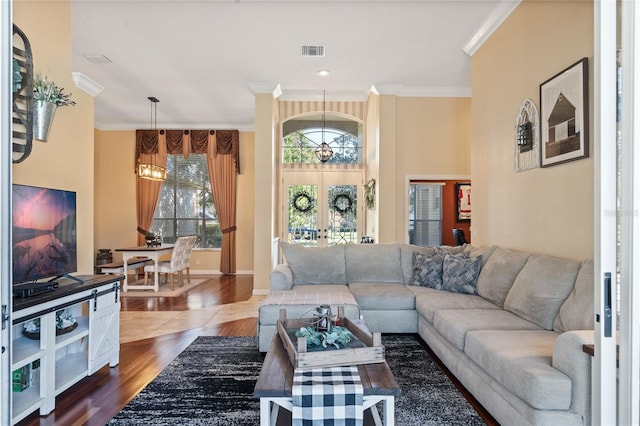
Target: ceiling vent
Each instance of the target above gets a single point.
(312, 50)
(97, 58)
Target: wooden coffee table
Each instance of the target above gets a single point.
(276, 377)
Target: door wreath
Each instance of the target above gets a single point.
(342, 203)
(302, 202)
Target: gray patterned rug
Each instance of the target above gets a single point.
(211, 383)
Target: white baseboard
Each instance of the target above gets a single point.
(260, 292)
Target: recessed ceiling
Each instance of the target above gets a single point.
(203, 58)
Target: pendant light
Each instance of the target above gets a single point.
(324, 151)
(152, 171)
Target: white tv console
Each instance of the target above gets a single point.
(67, 358)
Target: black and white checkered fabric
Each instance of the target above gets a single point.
(327, 396)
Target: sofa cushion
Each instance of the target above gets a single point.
(498, 274)
(520, 360)
(382, 296)
(485, 252)
(303, 299)
(459, 274)
(407, 252)
(576, 313)
(427, 270)
(373, 263)
(453, 324)
(541, 288)
(451, 249)
(429, 301)
(313, 265)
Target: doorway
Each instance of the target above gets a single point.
(321, 208)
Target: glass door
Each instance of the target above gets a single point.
(321, 208)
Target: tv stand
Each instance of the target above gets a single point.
(71, 277)
(59, 359)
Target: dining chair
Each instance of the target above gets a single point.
(458, 234)
(179, 262)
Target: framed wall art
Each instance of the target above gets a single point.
(463, 201)
(564, 115)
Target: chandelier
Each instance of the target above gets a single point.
(152, 171)
(323, 152)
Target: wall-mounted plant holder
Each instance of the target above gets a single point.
(370, 194)
(43, 113)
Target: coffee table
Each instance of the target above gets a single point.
(276, 377)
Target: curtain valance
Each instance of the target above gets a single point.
(226, 142)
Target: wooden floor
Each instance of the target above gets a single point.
(97, 398)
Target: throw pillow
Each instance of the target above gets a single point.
(427, 270)
(459, 273)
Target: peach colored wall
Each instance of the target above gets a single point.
(545, 210)
(419, 137)
(65, 161)
(434, 140)
(115, 200)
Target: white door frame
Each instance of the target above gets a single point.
(629, 373)
(6, 43)
(604, 101)
(405, 197)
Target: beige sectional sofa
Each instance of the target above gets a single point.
(509, 325)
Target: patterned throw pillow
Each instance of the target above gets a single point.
(459, 274)
(427, 270)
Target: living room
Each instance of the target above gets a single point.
(533, 211)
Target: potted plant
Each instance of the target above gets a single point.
(47, 97)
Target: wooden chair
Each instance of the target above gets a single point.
(179, 262)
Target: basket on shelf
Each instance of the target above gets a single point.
(65, 323)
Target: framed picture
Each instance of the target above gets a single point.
(463, 202)
(564, 115)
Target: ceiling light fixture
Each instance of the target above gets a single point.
(152, 171)
(324, 73)
(324, 151)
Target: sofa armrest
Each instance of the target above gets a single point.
(569, 358)
(281, 277)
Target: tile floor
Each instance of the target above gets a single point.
(136, 325)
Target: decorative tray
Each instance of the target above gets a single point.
(364, 348)
(59, 332)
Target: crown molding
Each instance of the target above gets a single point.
(265, 87)
(85, 83)
(493, 22)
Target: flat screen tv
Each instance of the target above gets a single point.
(44, 234)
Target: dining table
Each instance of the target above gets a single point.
(154, 253)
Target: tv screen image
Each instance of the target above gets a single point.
(44, 233)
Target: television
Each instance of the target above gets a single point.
(44, 234)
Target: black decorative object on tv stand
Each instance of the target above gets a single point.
(23, 291)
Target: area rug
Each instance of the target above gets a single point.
(212, 381)
(165, 288)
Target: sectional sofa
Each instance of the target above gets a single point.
(509, 325)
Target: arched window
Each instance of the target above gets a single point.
(304, 135)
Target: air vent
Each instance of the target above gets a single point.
(97, 58)
(312, 50)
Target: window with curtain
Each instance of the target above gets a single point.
(185, 206)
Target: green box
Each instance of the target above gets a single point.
(21, 378)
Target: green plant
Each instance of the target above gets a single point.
(17, 76)
(336, 336)
(46, 90)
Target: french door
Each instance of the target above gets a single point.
(321, 208)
